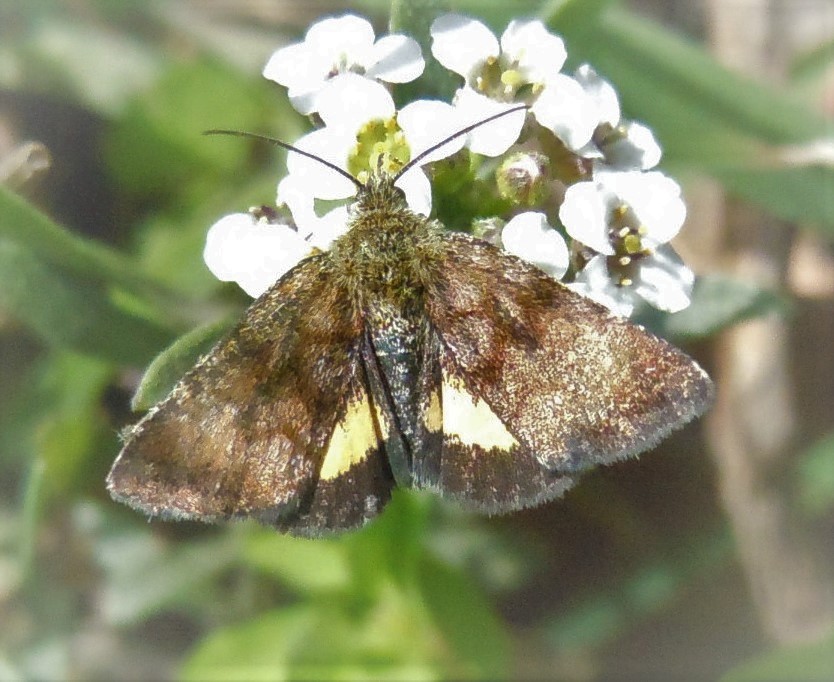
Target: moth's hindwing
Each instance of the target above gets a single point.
(482, 465)
(571, 383)
(275, 423)
(444, 438)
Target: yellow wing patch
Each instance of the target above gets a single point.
(470, 419)
(354, 438)
(433, 416)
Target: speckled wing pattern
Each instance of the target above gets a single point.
(275, 423)
(572, 384)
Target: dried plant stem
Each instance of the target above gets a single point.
(753, 427)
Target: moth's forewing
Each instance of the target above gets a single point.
(253, 429)
(572, 383)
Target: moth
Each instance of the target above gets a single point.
(405, 356)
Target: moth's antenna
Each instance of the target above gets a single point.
(289, 147)
(463, 131)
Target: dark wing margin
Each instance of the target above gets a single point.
(572, 383)
(257, 427)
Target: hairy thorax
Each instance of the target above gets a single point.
(389, 252)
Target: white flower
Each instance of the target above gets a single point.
(528, 53)
(525, 64)
(594, 282)
(603, 96)
(661, 279)
(244, 249)
(364, 128)
(495, 137)
(564, 109)
(628, 217)
(593, 211)
(339, 45)
(625, 145)
(529, 237)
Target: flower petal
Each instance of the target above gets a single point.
(240, 249)
(309, 175)
(654, 197)
(329, 228)
(584, 213)
(395, 59)
(300, 200)
(496, 137)
(349, 100)
(602, 94)
(349, 38)
(462, 44)
(288, 66)
(223, 253)
(417, 188)
(529, 237)
(537, 52)
(565, 109)
(428, 122)
(637, 150)
(594, 282)
(664, 281)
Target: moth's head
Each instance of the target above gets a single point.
(380, 191)
(377, 188)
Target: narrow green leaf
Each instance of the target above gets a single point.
(172, 363)
(24, 224)
(72, 430)
(158, 147)
(389, 548)
(74, 313)
(707, 117)
(814, 63)
(30, 517)
(460, 611)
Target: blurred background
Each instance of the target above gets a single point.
(707, 558)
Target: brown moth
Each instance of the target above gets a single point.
(404, 356)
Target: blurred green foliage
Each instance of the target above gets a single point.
(90, 590)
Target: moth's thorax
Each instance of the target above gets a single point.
(388, 251)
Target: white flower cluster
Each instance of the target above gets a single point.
(619, 212)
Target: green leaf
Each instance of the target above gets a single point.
(815, 477)
(71, 430)
(74, 313)
(707, 117)
(307, 566)
(158, 146)
(414, 19)
(172, 363)
(390, 546)
(311, 642)
(25, 225)
(258, 650)
(469, 624)
(814, 63)
(804, 663)
(717, 302)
